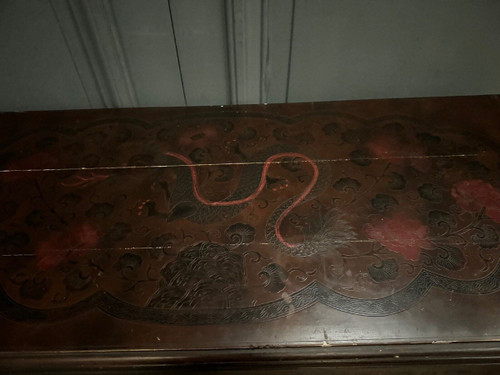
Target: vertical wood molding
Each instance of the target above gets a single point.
(259, 40)
(231, 54)
(265, 72)
(290, 51)
(243, 21)
(91, 34)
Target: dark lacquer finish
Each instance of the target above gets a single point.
(279, 226)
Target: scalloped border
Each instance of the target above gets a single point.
(300, 300)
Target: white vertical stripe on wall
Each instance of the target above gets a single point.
(259, 33)
(244, 32)
(346, 49)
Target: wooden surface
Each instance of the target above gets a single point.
(308, 228)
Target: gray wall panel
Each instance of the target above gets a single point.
(200, 30)
(277, 51)
(62, 54)
(346, 49)
(36, 69)
(148, 43)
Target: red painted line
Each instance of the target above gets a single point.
(82, 180)
(262, 183)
